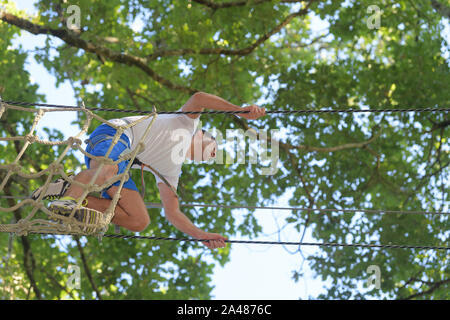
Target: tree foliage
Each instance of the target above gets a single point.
(144, 53)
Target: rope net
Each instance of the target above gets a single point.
(55, 223)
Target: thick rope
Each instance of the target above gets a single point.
(371, 211)
(151, 205)
(134, 111)
(289, 243)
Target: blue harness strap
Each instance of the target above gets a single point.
(93, 141)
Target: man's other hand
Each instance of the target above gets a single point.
(255, 112)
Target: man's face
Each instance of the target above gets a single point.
(203, 147)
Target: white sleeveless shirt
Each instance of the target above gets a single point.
(166, 144)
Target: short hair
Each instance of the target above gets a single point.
(208, 135)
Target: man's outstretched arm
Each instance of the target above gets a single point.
(179, 220)
(201, 100)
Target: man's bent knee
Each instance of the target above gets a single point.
(139, 224)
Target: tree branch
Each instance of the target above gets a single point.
(339, 148)
(28, 257)
(232, 52)
(286, 145)
(287, 149)
(56, 282)
(223, 5)
(424, 179)
(75, 40)
(439, 125)
(442, 9)
(304, 45)
(86, 268)
(433, 286)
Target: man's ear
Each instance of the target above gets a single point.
(207, 150)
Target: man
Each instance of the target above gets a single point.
(163, 151)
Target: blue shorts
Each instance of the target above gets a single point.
(99, 143)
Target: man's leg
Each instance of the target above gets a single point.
(130, 212)
(67, 203)
(85, 177)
